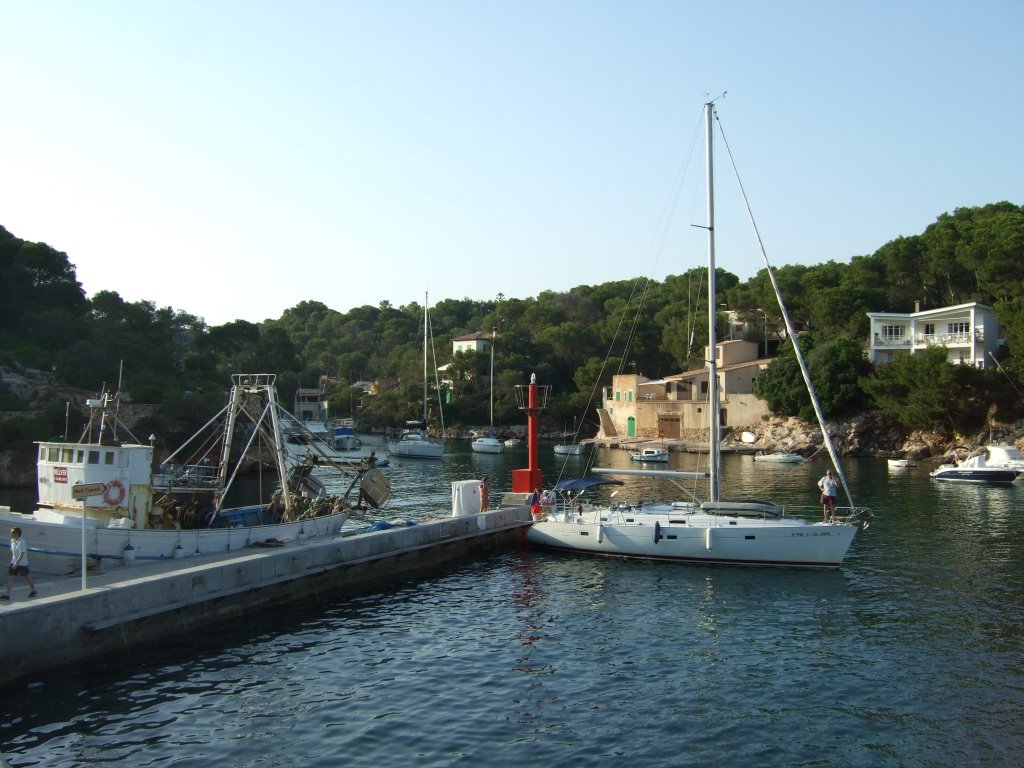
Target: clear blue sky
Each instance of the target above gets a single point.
(232, 158)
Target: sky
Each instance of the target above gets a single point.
(233, 158)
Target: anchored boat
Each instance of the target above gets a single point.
(133, 512)
(716, 530)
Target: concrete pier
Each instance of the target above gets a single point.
(147, 602)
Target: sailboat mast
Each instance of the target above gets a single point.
(714, 406)
(426, 302)
(494, 335)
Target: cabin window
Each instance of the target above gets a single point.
(81, 457)
(67, 455)
(94, 457)
(42, 453)
(122, 459)
(54, 453)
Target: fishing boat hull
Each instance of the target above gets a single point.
(55, 539)
(701, 539)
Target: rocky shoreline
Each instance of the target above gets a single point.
(866, 434)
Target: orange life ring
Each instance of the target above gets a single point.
(115, 493)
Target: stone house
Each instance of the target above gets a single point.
(635, 406)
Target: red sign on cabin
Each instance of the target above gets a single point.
(60, 474)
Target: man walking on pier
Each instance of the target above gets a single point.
(19, 564)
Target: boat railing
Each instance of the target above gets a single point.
(185, 475)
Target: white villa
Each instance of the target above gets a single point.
(472, 342)
(634, 406)
(970, 333)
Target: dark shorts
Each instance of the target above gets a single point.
(18, 570)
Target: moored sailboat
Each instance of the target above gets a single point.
(716, 530)
(490, 442)
(414, 442)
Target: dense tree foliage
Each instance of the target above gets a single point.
(834, 364)
(575, 340)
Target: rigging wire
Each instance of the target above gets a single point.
(788, 322)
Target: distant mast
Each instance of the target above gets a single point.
(714, 431)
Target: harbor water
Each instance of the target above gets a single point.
(911, 655)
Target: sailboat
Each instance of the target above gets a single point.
(490, 444)
(414, 443)
(716, 530)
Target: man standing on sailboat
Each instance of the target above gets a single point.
(829, 490)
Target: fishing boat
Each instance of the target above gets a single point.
(714, 530)
(566, 448)
(101, 491)
(976, 469)
(652, 455)
(414, 443)
(781, 457)
(489, 443)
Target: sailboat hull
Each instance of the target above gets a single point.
(487, 445)
(700, 539)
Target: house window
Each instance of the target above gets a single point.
(892, 332)
(703, 387)
(929, 329)
(959, 327)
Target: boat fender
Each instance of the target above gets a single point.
(129, 554)
(115, 493)
(707, 539)
(600, 534)
(657, 532)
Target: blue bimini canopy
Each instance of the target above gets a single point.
(580, 484)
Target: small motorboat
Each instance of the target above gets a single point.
(650, 455)
(779, 458)
(901, 463)
(976, 469)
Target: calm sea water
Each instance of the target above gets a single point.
(911, 655)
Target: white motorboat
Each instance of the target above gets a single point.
(976, 469)
(717, 530)
(513, 442)
(779, 458)
(489, 443)
(414, 443)
(569, 449)
(132, 513)
(651, 455)
(901, 463)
